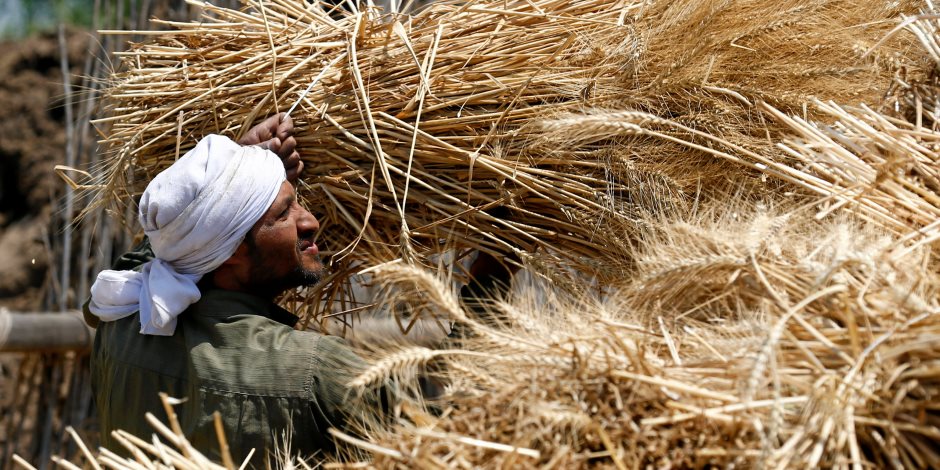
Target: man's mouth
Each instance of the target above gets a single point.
(308, 246)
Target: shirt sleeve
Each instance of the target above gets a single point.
(475, 296)
(338, 403)
(138, 254)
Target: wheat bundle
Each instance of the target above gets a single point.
(743, 338)
(755, 340)
(808, 338)
(416, 128)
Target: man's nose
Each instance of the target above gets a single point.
(307, 221)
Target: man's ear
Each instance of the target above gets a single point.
(230, 274)
(240, 257)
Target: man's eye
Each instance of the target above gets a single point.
(284, 213)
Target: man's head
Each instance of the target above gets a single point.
(197, 214)
(278, 252)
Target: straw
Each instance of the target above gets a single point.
(415, 129)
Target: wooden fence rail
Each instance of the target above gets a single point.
(44, 332)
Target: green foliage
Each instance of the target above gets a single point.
(27, 17)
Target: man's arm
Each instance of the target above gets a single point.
(334, 402)
(490, 278)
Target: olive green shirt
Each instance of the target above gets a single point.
(233, 353)
(237, 354)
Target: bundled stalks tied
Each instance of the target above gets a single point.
(417, 128)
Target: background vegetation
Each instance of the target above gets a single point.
(22, 18)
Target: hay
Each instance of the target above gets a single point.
(755, 340)
(753, 214)
(417, 127)
(812, 349)
(167, 448)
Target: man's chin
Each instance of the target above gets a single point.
(308, 276)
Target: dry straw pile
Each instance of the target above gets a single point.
(750, 185)
(416, 126)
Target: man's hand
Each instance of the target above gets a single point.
(499, 268)
(276, 134)
(488, 266)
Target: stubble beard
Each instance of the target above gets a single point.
(303, 277)
(307, 277)
(264, 282)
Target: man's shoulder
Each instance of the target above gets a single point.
(120, 345)
(255, 354)
(223, 344)
(233, 321)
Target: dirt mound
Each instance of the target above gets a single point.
(32, 141)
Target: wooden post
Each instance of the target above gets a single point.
(44, 332)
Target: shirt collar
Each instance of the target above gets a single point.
(220, 303)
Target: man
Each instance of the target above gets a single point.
(191, 312)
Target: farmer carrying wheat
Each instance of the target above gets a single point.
(191, 312)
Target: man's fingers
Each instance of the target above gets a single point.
(285, 126)
(274, 145)
(273, 126)
(257, 135)
(280, 126)
(287, 147)
(294, 167)
(292, 160)
(276, 134)
(263, 132)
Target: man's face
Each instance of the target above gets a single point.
(281, 248)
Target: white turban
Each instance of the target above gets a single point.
(196, 213)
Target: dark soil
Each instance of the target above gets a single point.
(32, 142)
